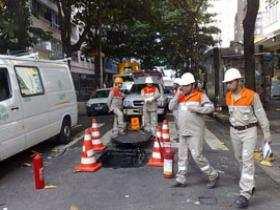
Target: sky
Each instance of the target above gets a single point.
(226, 10)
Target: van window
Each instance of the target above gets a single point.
(4, 85)
(29, 81)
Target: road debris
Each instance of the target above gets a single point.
(50, 187)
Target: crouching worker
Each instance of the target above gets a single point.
(115, 104)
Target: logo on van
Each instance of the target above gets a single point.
(4, 115)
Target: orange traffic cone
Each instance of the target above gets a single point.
(156, 160)
(88, 164)
(88, 160)
(165, 135)
(95, 134)
(87, 144)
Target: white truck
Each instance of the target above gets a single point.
(37, 102)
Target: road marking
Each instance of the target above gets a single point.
(213, 142)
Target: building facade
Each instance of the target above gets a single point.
(45, 16)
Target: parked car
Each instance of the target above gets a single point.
(37, 102)
(133, 102)
(97, 104)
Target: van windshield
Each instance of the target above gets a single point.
(4, 85)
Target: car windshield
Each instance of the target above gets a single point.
(101, 94)
(136, 88)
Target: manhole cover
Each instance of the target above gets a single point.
(124, 158)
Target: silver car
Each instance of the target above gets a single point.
(133, 102)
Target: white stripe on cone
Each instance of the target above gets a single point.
(156, 144)
(90, 153)
(165, 136)
(95, 134)
(88, 160)
(156, 155)
(87, 137)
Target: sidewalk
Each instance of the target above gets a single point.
(273, 114)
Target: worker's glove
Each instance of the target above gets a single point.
(266, 151)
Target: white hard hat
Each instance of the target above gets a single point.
(177, 81)
(187, 79)
(232, 74)
(149, 80)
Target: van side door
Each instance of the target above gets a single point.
(12, 132)
(34, 104)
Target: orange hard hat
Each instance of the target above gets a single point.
(118, 80)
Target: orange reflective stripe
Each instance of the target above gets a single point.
(246, 99)
(116, 92)
(195, 96)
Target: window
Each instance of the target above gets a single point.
(4, 85)
(29, 81)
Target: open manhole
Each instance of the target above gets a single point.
(124, 158)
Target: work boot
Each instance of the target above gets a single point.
(180, 179)
(213, 183)
(241, 202)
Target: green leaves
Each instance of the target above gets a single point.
(16, 32)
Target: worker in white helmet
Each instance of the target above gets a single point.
(192, 104)
(150, 94)
(115, 104)
(246, 111)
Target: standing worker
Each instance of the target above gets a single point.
(115, 104)
(246, 110)
(192, 103)
(150, 94)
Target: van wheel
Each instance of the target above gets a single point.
(64, 136)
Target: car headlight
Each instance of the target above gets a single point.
(126, 103)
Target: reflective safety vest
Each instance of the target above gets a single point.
(149, 91)
(193, 99)
(241, 110)
(117, 92)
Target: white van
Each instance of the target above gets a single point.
(37, 102)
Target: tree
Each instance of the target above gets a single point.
(249, 46)
(16, 32)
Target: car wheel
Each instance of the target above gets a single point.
(65, 134)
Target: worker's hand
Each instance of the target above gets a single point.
(192, 110)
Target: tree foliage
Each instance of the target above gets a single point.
(16, 32)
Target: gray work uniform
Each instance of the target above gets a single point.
(191, 132)
(150, 117)
(246, 109)
(115, 103)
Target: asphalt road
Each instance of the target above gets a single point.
(127, 188)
